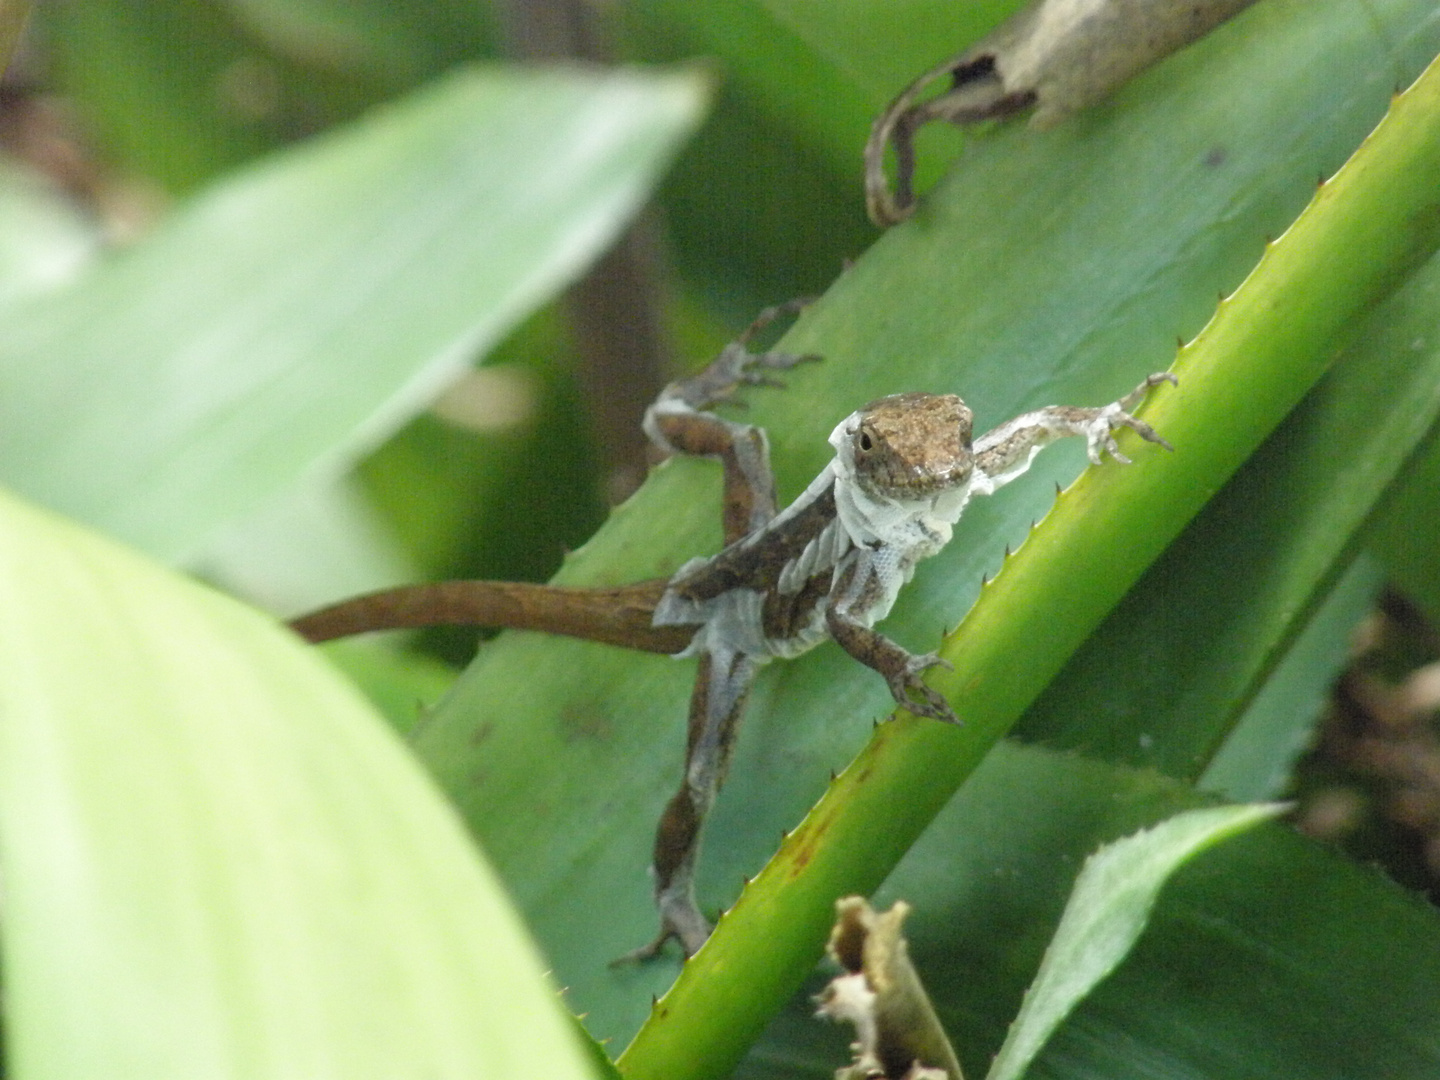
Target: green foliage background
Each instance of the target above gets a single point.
(354, 215)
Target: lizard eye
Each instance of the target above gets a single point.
(866, 443)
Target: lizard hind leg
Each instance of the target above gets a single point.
(680, 422)
(722, 687)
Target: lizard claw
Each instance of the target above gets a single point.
(1145, 384)
(645, 953)
(775, 361)
(1101, 434)
(735, 368)
(912, 693)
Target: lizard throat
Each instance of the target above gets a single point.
(914, 528)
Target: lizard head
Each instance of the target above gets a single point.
(907, 446)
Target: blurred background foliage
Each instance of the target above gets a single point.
(131, 106)
(127, 107)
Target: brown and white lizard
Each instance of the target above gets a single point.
(828, 566)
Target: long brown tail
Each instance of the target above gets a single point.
(618, 616)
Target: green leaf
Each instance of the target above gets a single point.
(1257, 759)
(1269, 957)
(316, 541)
(1108, 910)
(218, 861)
(1269, 342)
(1054, 267)
(296, 312)
(1406, 548)
(1263, 553)
(883, 48)
(402, 685)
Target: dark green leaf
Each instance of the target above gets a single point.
(1056, 267)
(1263, 554)
(1267, 956)
(1107, 911)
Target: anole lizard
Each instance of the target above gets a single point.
(828, 566)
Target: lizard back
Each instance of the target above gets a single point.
(767, 591)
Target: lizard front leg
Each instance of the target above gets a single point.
(1005, 452)
(863, 590)
(678, 423)
(901, 668)
(722, 687)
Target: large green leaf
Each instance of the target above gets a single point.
(297, 311)
(218, 861)
(1270, 340)
(1049, 267)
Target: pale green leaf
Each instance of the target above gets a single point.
(293, 313)
(218, 861)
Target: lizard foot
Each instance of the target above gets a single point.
(911, 692)
(737, 366)
(681, 920)
(1100, 433)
